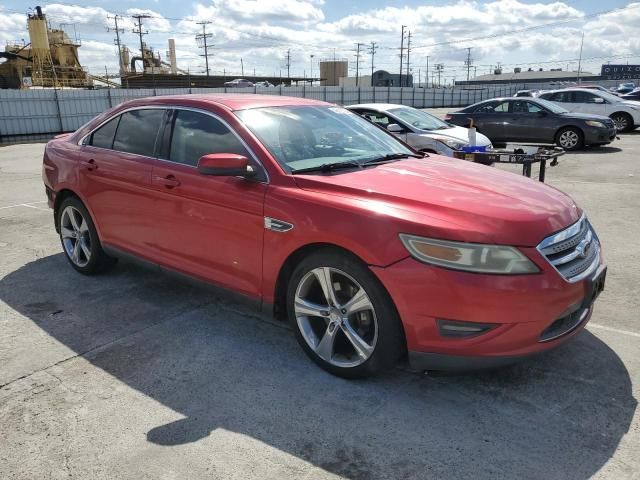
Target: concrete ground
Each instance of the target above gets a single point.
(135, 375)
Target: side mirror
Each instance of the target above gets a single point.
(225, 165)
(395, 128)
(598, 100)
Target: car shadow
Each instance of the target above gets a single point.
(596, 150)
(215, 362)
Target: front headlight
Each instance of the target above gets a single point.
(595, 123)
(469, 257)
(450, 142)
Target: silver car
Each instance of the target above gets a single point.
(418, 128)
(238, 83)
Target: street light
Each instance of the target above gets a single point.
(311, 74)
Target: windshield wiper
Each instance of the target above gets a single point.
(391, 157)
(327, 167)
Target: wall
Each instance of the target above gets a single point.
(27, 115)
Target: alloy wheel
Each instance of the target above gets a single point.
(569, 139)
(621, 122)
(336, 317)
(76, 240)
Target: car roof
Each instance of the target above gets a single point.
(230, 101)
(381, 107)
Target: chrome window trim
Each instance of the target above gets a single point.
(566, 234)
(253, 155)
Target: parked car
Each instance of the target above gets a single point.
(624, 113)
(534, 120)
(418, 128)
(238, 83)
(625, 88)
(527, 93)
(263, 84)
(633, 95)
(368, 248)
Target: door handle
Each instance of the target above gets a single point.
(169, 181)
(89, 165)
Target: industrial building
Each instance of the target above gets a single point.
(381, 78)
(49, 60)
(331, 71)
(529, 76)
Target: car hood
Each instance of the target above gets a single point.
(458, 133)
(584, 116)
(454, 199)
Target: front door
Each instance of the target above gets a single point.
(208, 227)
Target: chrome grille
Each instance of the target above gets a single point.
(574, 252)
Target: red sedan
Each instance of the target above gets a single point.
(367, 247)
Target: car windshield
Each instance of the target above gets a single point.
(551, 106)
(307, 137)
(419, 119)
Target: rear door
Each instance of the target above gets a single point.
(206, 226)
(115, 175)
(587, 102)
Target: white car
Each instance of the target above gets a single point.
(624, 113)
(418, 128)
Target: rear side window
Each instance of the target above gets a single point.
(493, 107)
(137, 131)
(103, 136)
(563, 97)
(196, 134)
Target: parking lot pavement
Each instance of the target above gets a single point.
(135, 375)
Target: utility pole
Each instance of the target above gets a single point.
(358, 45)
(401, 53)
(372, 51)
(288, 57)
(439, 68)
(202, 38)
(468, 62)
(408, 53)
(311, 71)
(117, 40)
(140, 32)
(580, 59)
(426, 77)
(241, 67)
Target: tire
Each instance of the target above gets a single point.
(570, 138)
(79, 238)
(361, 334)
(623, 121)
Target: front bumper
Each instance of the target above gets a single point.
(593, 135)
(523, 308)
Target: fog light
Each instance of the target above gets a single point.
(456, 328)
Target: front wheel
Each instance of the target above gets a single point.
(570, 138)
(342, 316)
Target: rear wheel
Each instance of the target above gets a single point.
(623, 121)
(342, 316)
(570, 138)
(79, 238)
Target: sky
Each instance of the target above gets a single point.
(514, 33)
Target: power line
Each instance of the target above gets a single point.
(202, 38)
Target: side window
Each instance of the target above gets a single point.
(377, 118)
(196, 134)
(562, 97)
(533, 108)
(137, 131)
(519, 106)
(493, 107)
(103, 136)
(502, 107)
(584, 97)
